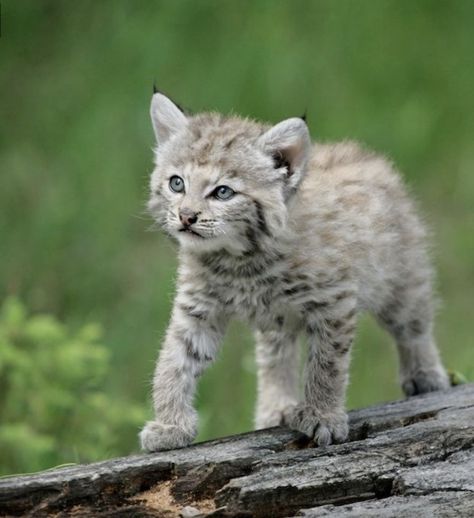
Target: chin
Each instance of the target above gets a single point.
(193, 243)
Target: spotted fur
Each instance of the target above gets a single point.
(315, 234)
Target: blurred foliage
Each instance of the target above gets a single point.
(52, 404)
(75, 154)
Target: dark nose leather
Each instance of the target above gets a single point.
(187, 217)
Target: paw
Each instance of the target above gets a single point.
(157, 436)
(422, 381)
(275, 416)
(323, 428)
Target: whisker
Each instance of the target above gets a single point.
(142, 217)
(153, 227)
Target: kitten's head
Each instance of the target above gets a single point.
(224, 182)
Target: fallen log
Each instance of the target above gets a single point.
(405, 458)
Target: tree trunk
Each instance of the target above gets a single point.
(407, 458)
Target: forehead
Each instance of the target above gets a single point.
(216, 142)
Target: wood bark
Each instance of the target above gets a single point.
(403, 459)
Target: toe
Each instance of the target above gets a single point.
(323, 428)
(323, 436)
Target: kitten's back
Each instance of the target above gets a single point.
(354, 209)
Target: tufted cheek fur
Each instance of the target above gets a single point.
(274, 209)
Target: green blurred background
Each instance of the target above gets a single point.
(75, 155)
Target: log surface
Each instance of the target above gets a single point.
(406, 458)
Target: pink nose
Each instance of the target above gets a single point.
(187, 217)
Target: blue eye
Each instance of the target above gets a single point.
(223, 192)
(176, 184)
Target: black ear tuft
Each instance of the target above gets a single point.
(304, 117)
(279, 160)
(157, 91)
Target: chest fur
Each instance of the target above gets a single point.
(256, 292)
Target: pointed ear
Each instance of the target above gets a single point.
(288, 142)
(166, 117)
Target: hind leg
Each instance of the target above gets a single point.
(408, 316)
(277, 355)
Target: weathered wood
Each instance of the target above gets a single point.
(406, 458)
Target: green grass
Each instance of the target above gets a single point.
(75, 154)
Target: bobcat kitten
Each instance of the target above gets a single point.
(296, 238)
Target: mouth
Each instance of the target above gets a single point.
(190, 231)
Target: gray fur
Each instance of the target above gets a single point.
(308, 242)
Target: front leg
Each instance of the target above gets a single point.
(330, 332)
(191, 344)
